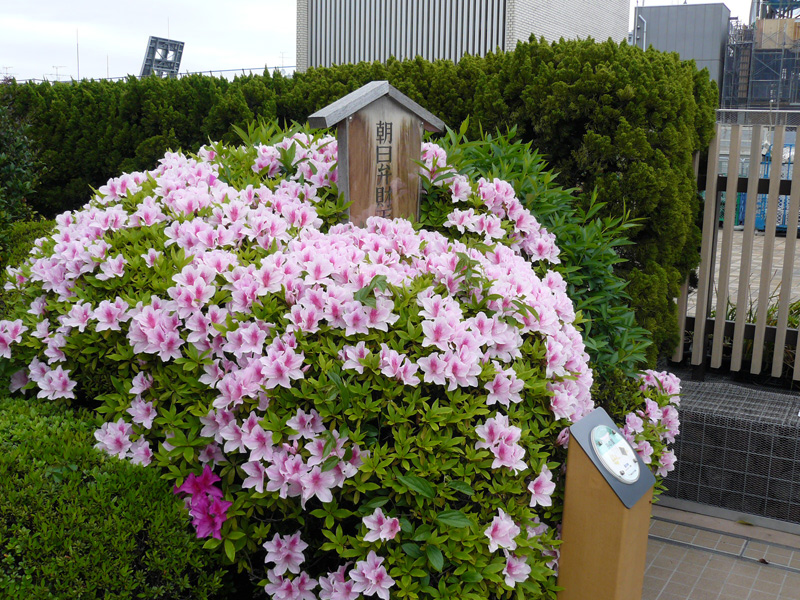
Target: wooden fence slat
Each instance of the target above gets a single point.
(743, 297)
(683, 298)
(727, 246)
(706, 267)
(769, 248)
(786, 279)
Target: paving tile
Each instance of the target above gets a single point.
(730, 547)
(771, 575)
(659, 573)
(757, 595)
(734, 591)
(740, 579)
(766, 586)
(681, 533)
(704, 595)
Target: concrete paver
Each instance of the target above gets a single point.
(696, 557)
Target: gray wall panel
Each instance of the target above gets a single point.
(350, 31)
(697, 32)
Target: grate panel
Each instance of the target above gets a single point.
(739, 450)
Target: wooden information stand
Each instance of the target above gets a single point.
(379, 132)
(606, 516)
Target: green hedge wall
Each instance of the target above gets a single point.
(76, 523)
(605, 115)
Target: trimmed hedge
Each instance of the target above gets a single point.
(76, 523)
(605, 115)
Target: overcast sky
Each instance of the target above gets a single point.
(36, 36)
(39, 38)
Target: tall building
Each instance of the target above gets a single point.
(694, 31)
(331, 32)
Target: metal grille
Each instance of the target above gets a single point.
(351, 31)
(743, 116)
(739, 449)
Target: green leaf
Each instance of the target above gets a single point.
(412, 550)
(435, 557)
(454, 518)
(230, 550)
(472, 577)
(462, 487)
(417, 484)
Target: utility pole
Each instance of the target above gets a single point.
(282, 61)
(6, 69)
(78, 53)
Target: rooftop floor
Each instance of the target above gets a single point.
(696, 557)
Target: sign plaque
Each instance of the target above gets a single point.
(379, 132)
(615, 454)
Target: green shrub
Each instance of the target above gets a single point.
(294, 375)
(606, 116)
(589, 244)
(75, 523)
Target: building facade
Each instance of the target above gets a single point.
(695, 31)
(331, 32)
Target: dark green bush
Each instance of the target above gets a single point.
(19, 168)
(606, 116)
(76, 523)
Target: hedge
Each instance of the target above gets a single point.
(605, 115)
(76, 523)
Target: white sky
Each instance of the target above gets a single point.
(38, 35)
(39, 38)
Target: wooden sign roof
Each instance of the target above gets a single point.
(345, 107)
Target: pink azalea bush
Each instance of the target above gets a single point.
(374, 411)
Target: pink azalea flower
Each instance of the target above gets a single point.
(379, 527)
(336, 587)
(307, 425)
(516, 570)
(501, 532)
(55, 384)
(255, 476)
(259, 442)
(370, 577)
(542, 488)
(113, 267)
(666, 463)
(142, 412)
(317, 483)
(140, 451)
(286, 552)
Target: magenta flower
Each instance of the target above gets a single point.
(203, 484)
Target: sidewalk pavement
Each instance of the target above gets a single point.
(695, 557)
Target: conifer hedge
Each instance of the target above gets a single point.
(606, 116)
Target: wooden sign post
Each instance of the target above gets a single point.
(606, 518)
(379, 132)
